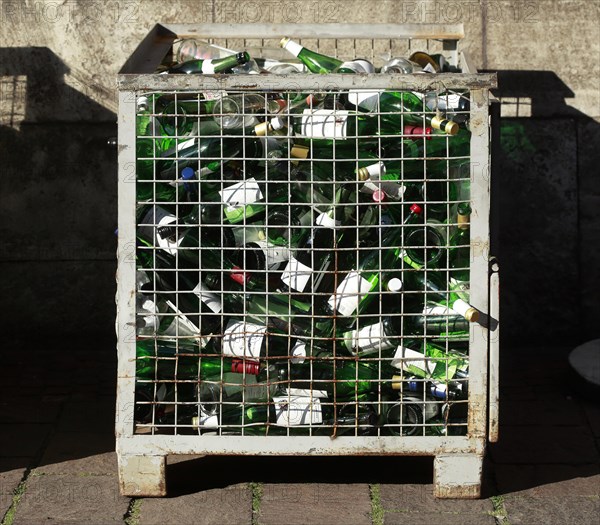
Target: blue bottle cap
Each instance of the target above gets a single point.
(187, 173)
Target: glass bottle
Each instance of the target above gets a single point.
(210, 66)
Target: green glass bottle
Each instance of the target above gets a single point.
(169, 360)
(424, 359)
(236, 418)
(398, 107)
(459, 251)
(355, 291)
(308, 274)
(315, 62)
(436, 291)
(210, 66)
(409, 416)
(340, 379)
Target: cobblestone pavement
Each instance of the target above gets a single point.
(58, 465)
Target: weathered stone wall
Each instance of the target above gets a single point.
(58, 180)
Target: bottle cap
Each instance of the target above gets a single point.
(299, 152)
(395, 284)
(283, 42)
(418, 130)
(378, 196)
(239, 276)
(396, 382)
(281, 103)
(371, 171)
(277, 123)
(239, 366)
(471, 315)
(187, 173)
(447, 126)
(415, 208)
(463, 218)
(261, 129)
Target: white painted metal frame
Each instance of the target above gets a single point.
(458, 459)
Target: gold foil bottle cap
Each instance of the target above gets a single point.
(447, 126)
(472, 315)
(462, 220)
(283, 42)
(299, 152)
(261, 129)
(363, 174)
(396, 382)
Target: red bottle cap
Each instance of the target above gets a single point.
(238, 366)
(415, 208)
(239, 277)
(281, 103)
(378, 196)
(418, 130)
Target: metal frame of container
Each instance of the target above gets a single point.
(458, 459)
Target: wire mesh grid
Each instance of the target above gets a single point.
(303, 263)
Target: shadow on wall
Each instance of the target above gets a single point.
(549, 268)
(58, 194)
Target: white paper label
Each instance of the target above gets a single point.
(437, 309)
(242, 339)
(367, 340)
(405, 358)
(429, 69)
(158, 217)
(393, 190)
(241, 193)
(349, 294)
(181, 326)
(209, 298)
(274, 254)
(186, 144)
(207, 420)
(367, 100)
(246, 385)
(293, 47)
(461, 307)
(296, 275)
(208, 67)
(324, 123)
(214, 95)
(291, 411)
(299, 353)
(323, 219)
(305, 392)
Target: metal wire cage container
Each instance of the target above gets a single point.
(297, 277)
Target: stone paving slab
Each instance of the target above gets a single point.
(315, 504)
(97, 465)
(410, 504)
(71, 500)
(79, 453)
(545, 444)
(566, 510)
(11, 474)
(228, 506)
(548, 480)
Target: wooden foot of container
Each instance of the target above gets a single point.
(142, 475)
(457, 476)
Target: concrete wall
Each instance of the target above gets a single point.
(58, 180)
